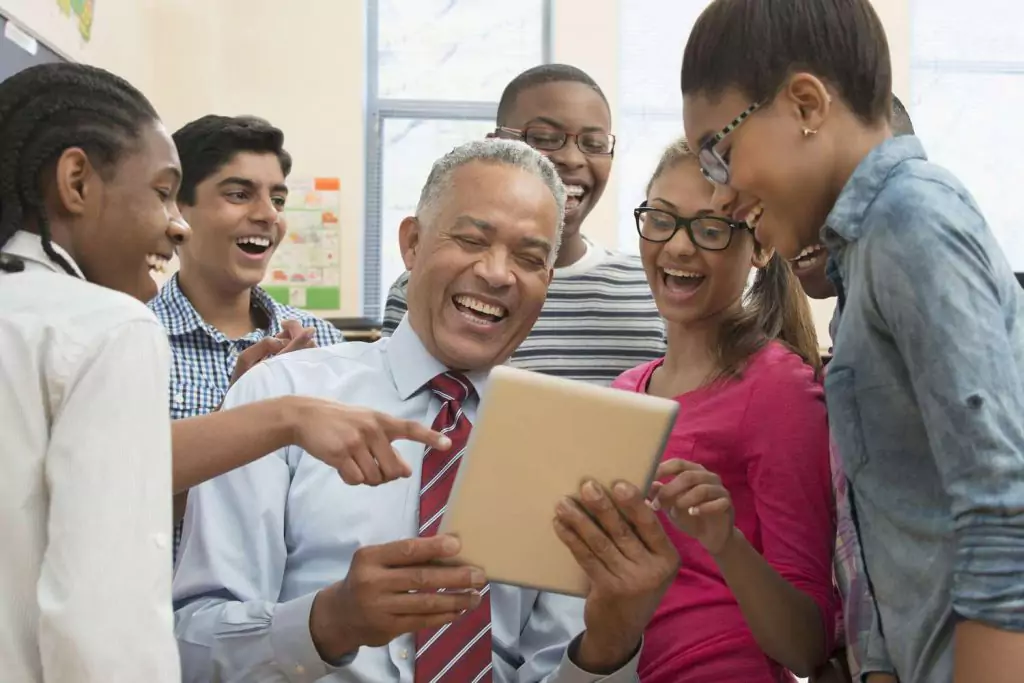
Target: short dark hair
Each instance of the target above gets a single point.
(542, 75)
(901, 123)
(754, 45)
(47, 109)
(208, 144)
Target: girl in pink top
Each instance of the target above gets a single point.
(744, 487)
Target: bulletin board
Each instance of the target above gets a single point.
(305, 271)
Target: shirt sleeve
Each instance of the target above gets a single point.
(551, 635)
(791, 479)
(230, 625)
(395, 307)
(948, 299)
(104, 585)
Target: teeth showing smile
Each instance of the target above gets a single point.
(808, 257)
(482, 309)
(258, 241)
(253, 244)
(681, 273)
(573, 196)
(156, 263)
(807, 251)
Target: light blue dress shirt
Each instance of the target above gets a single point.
(259, 542)
(926, 404)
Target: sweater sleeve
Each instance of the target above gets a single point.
(790, 476)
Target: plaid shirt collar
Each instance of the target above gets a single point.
(180, 317)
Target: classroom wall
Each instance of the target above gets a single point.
(301, 65)
(119, 39)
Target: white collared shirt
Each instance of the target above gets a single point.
(85, 481)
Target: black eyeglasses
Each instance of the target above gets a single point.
(546, 139)
(712, 164)
(712, 233)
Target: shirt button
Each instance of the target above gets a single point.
(300, 669)
(179, 399)
(403, 653)
(160, 540)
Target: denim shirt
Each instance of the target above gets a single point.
(926, 405)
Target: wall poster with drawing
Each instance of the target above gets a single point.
(306, 268)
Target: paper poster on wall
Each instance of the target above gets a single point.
(306, 268)
(84, 10)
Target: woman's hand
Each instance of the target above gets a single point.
(696, 502)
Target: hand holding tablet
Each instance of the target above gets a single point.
(536, 441)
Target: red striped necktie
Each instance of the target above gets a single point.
(459, 652)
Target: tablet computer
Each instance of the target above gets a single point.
(536, 439)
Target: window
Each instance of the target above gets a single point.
(967, 92)
(652, 36)
(435, 71)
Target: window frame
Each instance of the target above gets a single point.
(377, 110)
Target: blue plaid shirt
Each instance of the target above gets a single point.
(203, 357)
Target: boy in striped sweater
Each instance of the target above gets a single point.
(599, 319)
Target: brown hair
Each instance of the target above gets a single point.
(774, 307)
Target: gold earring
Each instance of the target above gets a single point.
(808, 132)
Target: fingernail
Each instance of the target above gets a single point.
(694, 511)
(622, 491)
(445, 442)
(450, 544)
(477, 577)
(564, 507)
(476, 599)
(591, 492)
(655, 505)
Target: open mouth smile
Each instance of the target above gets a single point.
(478, 311)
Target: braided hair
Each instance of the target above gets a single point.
(45, 110)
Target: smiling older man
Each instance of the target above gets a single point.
(288, 574)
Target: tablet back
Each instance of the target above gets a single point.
(535, 440)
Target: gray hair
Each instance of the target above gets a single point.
(494, 151)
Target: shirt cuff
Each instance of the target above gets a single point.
(293, 646)
(568, 672)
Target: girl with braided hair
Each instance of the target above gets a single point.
(88, 183)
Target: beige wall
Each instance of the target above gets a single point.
(120, 34)
(301, 65)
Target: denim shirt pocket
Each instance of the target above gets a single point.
(844, 420)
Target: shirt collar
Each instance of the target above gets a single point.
(412, 366)
(29, 247)
(181, 317)
(846, 222)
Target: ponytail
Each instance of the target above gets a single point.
(783, 311)
(774, 308)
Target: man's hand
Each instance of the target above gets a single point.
(696, 502)
(618, 541)
(392, 590)
(293, 337)
(356, 441)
